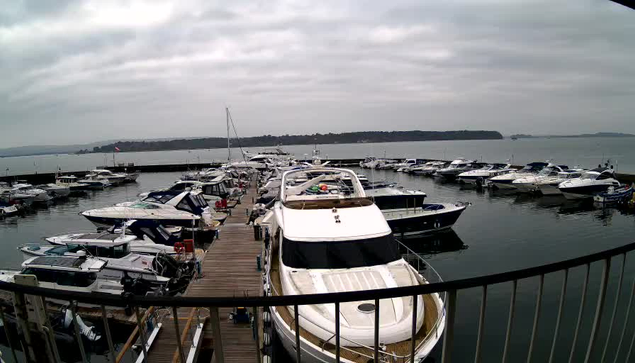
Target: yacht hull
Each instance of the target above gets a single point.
(100, 221)
(583, 192)
(406, 223)
(548, 189)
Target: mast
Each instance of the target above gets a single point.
(229, 153)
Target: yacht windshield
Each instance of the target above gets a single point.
(143, 205)
(344, 254)
(589, 176)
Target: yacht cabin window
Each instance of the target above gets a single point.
(340, 254)
(64, 278)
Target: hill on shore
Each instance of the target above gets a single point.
(269, 140)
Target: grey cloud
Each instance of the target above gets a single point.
(89, 70)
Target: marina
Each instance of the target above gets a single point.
(532, 223)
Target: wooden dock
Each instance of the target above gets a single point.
(228, 269)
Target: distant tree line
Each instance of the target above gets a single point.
(269, 140)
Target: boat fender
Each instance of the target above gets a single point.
(266, 317)
(266, 359)
(266, 339)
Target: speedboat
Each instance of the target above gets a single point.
(405, 165)
(39, 195)
(95, 182)
(592, 182)
(185, 209)
(112, 178)
(333, 239)
(483, 174)
(8, 210)
(146, 237)
(160, 269)
(528, 184)
(506, 181)
(615, 195)
(75, 274)
(71, 182)
(407, 214)
(457, 167)
(9, 196)
(428, 168)
(55, 191)
(549, 185)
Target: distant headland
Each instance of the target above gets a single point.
(269, 140)
(597, 134)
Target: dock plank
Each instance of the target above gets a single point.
(228, 269)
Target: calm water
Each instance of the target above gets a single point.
(584, 152)
(497, 233)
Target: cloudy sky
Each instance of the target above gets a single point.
(76, 71)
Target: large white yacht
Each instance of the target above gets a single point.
(39, 195)
(186, 209)
(329, 238)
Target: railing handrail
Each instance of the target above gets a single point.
(310, 299)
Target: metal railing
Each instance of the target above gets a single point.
(452, 288)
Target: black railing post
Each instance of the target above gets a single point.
(78, 335)
(7, 332)
(581, 312)
(448, 337)
(597, 320)
(415, 301)
(298, 350)
(179, 345)
(376, 348)
(142, 334)
(626, 319)
(218, 340)
(111, 345)
(559, 318)
(481, 325)
(618, 293)
(534, 329)
(510, 321)
(337, 332)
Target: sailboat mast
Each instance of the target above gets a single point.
(229, 153)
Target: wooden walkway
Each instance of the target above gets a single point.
(228, 269)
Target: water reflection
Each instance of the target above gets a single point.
(448, 241)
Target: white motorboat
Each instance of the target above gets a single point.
(39, 195)
(186, 209)
(8, 210)
(160, 269)
(77, 274)
(549, 185)
(428, 168)
(483, 174)
(112, 178)
(334, 239)
(145, 237)
(95, 182)
(55, 191)
(506, 181)
(131, 177)
(592, 182)
(528, 184)
(405, 165)
(457, 167)
(71, 182)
